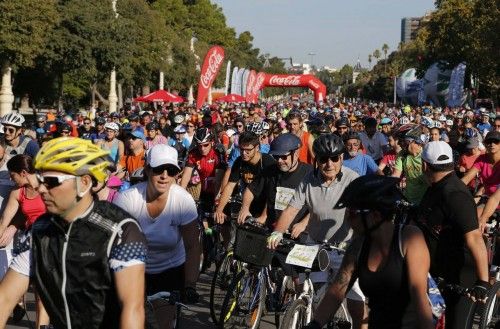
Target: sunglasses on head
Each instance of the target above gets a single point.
(281, 156)
(53, 181)
(171, 170)
(324, 159)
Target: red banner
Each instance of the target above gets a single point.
(297, 80)
(250, 86)
(210, 69)
(259, 83)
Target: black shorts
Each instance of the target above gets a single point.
(169, 280)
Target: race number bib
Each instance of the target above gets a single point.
(302, 255)
(283, 197)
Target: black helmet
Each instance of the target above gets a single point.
(133, 117)
(371, 192)
(203, 135)
(323, 129)
(100, 121)
(285, 143)
(342, 122)
(328, 145)
(370, 122)
(63, 126)
(351, 135)
(153, 125)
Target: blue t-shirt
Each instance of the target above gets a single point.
(362, 164)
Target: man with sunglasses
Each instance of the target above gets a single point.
(86, 130)
(15, 141)
(133, 158)
(85, 257)
(249, 166)
(318, 191)
(278, 185)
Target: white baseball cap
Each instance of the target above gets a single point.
(112, 126)
(438, 152)
(162, 154)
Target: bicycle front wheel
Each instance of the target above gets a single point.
(296, 315)
(244, 301)
(490, 317)
(341, 319)
(224, 274)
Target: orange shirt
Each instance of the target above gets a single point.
(132, 162)
(304, 155)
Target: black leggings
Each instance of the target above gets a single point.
(169, 280)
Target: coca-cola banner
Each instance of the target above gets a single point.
(250, 85)
(210, 69)
(259, 83)
(297, 80)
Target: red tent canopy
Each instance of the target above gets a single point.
(160, 96)
(232, 98)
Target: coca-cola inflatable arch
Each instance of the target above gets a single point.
(295, 80)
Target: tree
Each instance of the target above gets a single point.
(370, 60)
(385, 49)
(376, 54)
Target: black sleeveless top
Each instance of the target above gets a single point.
(387, 289)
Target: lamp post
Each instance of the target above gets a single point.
(113, 98)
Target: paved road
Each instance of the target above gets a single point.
(197, 317)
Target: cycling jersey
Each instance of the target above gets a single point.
(206, 167)
(411, 167)
(73, 264)
(489, 174)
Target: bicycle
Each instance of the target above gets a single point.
(210, 240)
(300, 311)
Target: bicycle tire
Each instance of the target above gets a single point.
(490, 317)
(224, 273)
(295, 316)
(244, 302)
(286, 297)
(341, 318)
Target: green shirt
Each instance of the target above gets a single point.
(411, 167)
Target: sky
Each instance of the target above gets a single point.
(336, 31)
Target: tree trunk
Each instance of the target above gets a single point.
(102, 99)
(60, 102)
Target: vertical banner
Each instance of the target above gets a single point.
(456, 87)
(234, 80)
(211, 66)
(228, 73)
(259, 84)
(239, 81)
(244, 81)
(250, 85)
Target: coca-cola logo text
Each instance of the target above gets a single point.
(214, 62)
(313, 84)
(250, 84)
(258, 84)
(291, 80)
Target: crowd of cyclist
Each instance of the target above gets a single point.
(101, 209)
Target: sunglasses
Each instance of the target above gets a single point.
(246, 150)
(324, 159)
(10, 130)
(204, 145)
(491, 141)
(171, 170)
(86, 123)
(281, 157)
(190, 126)
(53, 181)
(239, 126)
(352, 144)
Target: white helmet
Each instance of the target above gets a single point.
(442, 118)
(404, 121)
(13, 119)
(437, 124)
(112, 125)
(428, 122)
(178, 119)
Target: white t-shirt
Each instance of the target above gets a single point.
(165, 245)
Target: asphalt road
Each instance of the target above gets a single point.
(197, 317)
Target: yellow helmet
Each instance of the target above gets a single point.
(74, 156)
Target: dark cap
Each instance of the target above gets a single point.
(472, 143)
(492, 136)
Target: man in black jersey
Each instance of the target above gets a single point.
(278, 184)
(449, 221)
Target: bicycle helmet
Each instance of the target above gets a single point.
(178, 119)
(153, 125)
(428, 122)
(133, 117)
(111, 126)
(74, 156)
(342, 122)
(328, 145)
(126, 127)
(437, 124)
(371, 192)
(470, 133)
(416, 135)
(255, 127)
(385, 121)
(265, 125)
(180, 129)
(13, 119)
(323, 129)
(284, 144)
(100, 121)
(351, 135)
(404, 121)
(442, 118)
(63, 126)
(203, 135)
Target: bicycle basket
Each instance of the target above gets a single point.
(251, 245)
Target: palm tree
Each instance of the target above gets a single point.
(376, 54)
(385, 49)
(370, 60)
